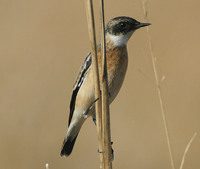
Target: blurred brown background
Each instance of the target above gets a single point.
(42, 45)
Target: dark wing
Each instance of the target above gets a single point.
(77, 85)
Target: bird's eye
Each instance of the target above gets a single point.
(123, 24)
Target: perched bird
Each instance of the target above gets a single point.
(118, 31)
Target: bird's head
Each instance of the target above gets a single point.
(120, 29)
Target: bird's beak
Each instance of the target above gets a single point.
(142, 25)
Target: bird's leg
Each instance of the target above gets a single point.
(112, 151)
(94, 120)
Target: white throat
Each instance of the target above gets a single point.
(119, 40)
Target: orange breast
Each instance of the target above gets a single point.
(117, 61)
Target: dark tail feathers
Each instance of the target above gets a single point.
(68, 146)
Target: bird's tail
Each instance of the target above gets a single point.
(67, 147)
(70, 138)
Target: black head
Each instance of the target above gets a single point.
(123, 25)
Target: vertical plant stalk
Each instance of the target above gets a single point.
(158, 87)
(106, 135)
(98, 110)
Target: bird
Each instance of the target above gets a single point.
(117, 33)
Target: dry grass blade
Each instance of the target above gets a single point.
(186, 150)
(158, 86)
